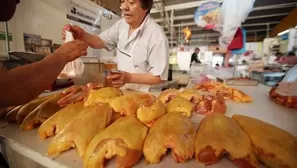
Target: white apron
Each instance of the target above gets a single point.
(125, 63)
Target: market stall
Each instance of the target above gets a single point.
(217, 104)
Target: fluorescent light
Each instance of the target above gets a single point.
(284, 32)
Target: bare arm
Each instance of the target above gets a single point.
(93, 41)
(79, 34)
(106, 39)
(120, 79)
(22, 84)
(146, 78)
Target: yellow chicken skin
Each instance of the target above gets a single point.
(150, 112)
(123, 139)
(218, 134)
(44, 111)
(103, 95)
(180, 105)
(129, 103)
(167, 95)
(80, 131)
(29, 107)
(273, 146)
(59, 120)
(191, 95)
(173, 131)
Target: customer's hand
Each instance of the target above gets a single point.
(119, 79)
(71, 50)
(78, 33)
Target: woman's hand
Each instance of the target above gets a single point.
(78, 33)
(119, 79)
(71, 50)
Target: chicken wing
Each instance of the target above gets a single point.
(167, 95)
(123, 139)
(174, 131)
(41, 113)
(149, 113)
(129, 103)
(59, 120)
(103, 95)
(273, 146)
(80, 131)
(11, 116)
(5, 111)
(218, 134)
(29, 107)
(180, 105)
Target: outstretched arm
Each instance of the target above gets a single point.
(22, 84)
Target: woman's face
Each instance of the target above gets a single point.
(132, 11)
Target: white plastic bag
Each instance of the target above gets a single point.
(233, 14)
(288, 86)
(73, 69)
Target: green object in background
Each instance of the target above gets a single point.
(3, 36)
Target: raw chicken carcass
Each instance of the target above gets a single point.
(29, 107)
(129, 103)
(149, 113)
(44, 111)
(79, 132)
(173, 131)
(77, 93)
(103, 95)
(192, 95)
(180, 105)
(218, 134)
(167, 95)
(123, 139)
(273, 146)
(211, 104)
(59, 120)
(287, 101)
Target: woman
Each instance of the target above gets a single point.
(142, 46)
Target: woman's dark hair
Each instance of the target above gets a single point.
(278, 54)
(291, 53)
(146, 5)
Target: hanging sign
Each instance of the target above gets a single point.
(86, 15)
(207, 14)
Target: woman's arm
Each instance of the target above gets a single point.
(93, 41)
(107, 39)
(22, 84)
(146, 78)
(120, 79)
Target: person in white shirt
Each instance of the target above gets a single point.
(142, 46)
